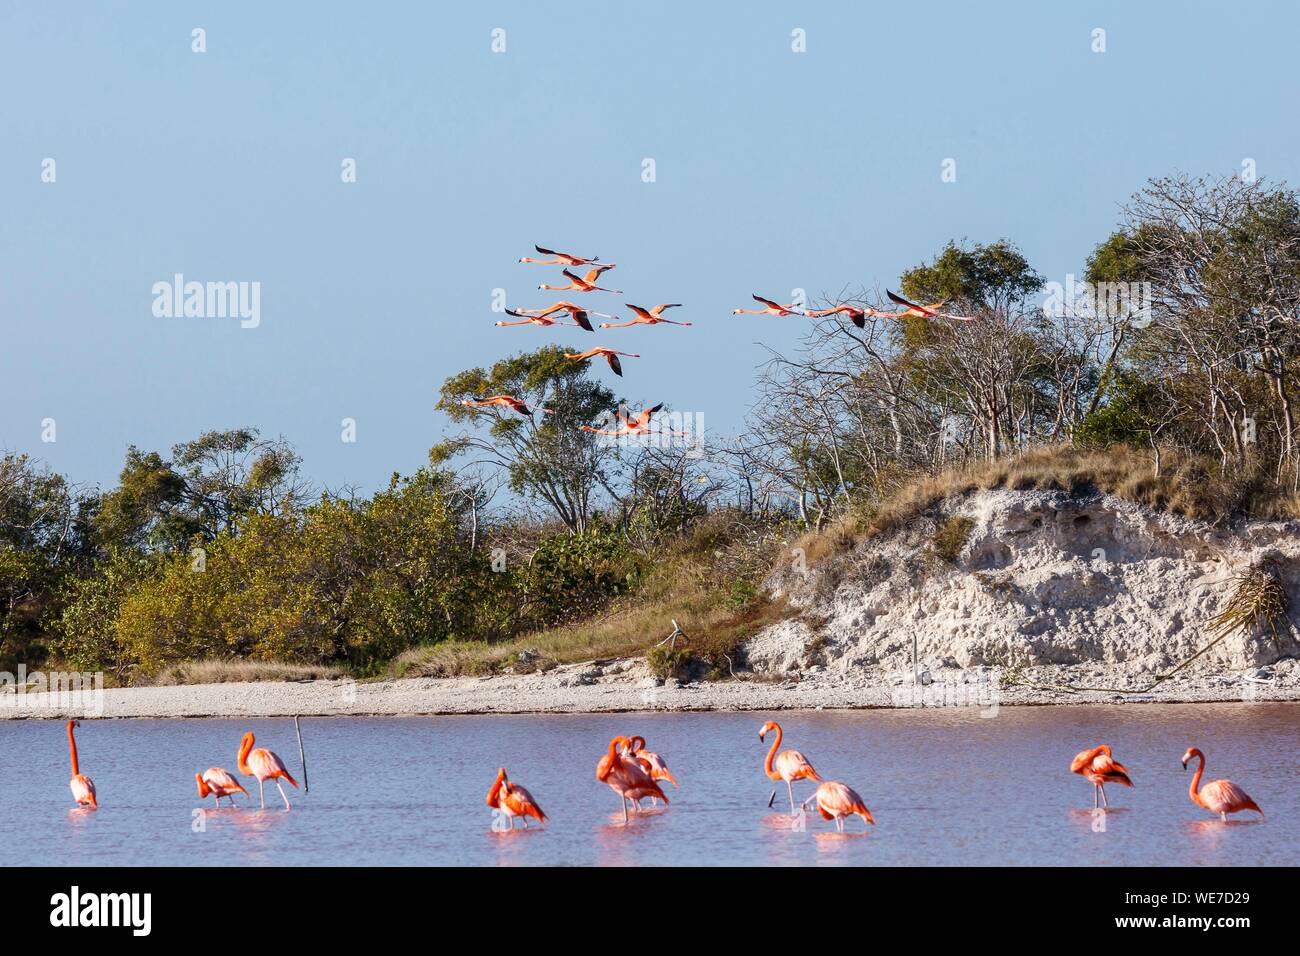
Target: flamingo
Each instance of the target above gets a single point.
(563, 259)
(506, 401)
(911, 312)
(220, 783)
(264, 765)
(650, 762)
(585, 283)
(856, 315)
(83, 788)
(632, 426)
(770, 308)
(647, 316)
(609, 355)
(625, 776)
(580, 319)
(925, 311)
(837, 801)
(1217, 796)
(789, 765)
(513, 800)
(1098, 767)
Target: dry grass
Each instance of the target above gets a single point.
(678, 589)
(1188, 486)
(242, 671)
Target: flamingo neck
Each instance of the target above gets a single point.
(72, 746)
(771, 754)
(1195, 789)
(242, 761)
(495, 793)
(204, 789)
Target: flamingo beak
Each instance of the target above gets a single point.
(1184, 763)
(760, 735)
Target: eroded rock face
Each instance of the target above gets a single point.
(1044, 578)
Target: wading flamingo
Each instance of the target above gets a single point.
(563, 259)
(83, 788)
(926, 311)
(625, 776)
(837, 801)
(1217, 796)
(789, 765)
(580, 319)
(220, 783)
(1099, 769)
(609, 355)
(585, 283)
(650, 762)
(506, 401)
(264, 765)
(856, 315)
(770, 308)
(513, 800)
(646, 316)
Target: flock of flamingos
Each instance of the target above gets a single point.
(634, 774)
(631, 771)
(581, 316)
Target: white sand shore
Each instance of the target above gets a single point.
(616, 686)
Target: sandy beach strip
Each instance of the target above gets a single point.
(574, 690)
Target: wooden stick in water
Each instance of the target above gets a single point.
(302, 754)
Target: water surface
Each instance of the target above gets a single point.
(945, 786)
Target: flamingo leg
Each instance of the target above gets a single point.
(790, 790)
(1223, 817)
(261, 791)
(1095, 804)
(624, 799)
(282, 794)
(1102, 788)
(525, 823)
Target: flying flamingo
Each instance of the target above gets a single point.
(513, 800)
(563, 259)
(83, 788)
(837, 801)
(910, 312)
(1098, 767)
(264, 765)
(585, 283)
(609, 355)
(858, 316)
(650, 762)
(220, 783)
(625, 776)
(924, 311)
(770, 308)
(580, 319)
(505, 401)
(1217, 796)
(788, 765)
(647, 316)
(632, 426)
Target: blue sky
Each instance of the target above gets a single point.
(774, 170)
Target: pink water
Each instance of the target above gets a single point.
(945, 786)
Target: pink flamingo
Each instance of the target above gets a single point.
(83, 788)
(837, 801)
(513, 800)
(650, 762)
(625, 776)
(220, 783)
(1099, 769)
(264, 765)
(1217, 796)
(789, 765)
